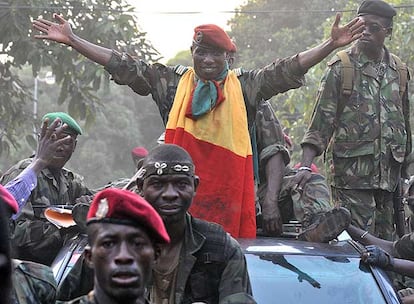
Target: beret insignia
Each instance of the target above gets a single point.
(198, 37)
(103, 209)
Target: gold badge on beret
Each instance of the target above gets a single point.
(199, 37)
(103, 208)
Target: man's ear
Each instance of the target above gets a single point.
(88, 256)
(196, 182)
(389, 32)
(74, 145)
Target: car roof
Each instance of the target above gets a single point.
(291, 246)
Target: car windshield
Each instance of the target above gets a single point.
(311, 279)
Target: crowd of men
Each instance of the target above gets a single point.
(168, 234)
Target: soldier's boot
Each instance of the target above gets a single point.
(327, 226)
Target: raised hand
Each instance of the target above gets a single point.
(59, 32)
(49, 140)
(352, 31)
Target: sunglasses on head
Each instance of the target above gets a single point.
(375, 28)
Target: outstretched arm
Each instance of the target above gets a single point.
(62, 32)
(340, 36)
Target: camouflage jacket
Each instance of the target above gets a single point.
(33, 283)
(33, 237)
(366, 137)
(212, 267)
(162, 81)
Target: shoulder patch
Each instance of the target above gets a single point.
(238, 72)
(180, 69)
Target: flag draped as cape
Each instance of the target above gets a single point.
(219, 144)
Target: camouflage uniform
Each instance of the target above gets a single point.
(34, 238)
(303, 206)
(366, 139)
(212, 267)
(33, 283)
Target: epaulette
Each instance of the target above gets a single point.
(238, 71)
(180, 69)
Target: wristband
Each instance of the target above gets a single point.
(305, 169)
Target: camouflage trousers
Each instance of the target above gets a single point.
(302, 205)
(371, 209)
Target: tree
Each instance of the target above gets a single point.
(106, 22)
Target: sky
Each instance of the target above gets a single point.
(170, 24)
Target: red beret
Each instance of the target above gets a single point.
(124, 207)
(213, 35)
(9, 199)
(139, 152)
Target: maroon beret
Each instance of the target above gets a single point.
(139, 152)
(124, 207)
(9, 199)
(213, 35)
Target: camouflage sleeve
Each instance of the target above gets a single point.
(235, 278)
(404, 247)
(127, 70)
(36, 282)
(14, 171)
(323, 120)
(277, 77)
(270, 139)
(143, 78)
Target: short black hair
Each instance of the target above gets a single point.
(168, 153)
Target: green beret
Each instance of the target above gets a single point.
(377, 8)
(67, 119)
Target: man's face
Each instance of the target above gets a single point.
(170, 195)
(373, 36)
(208, 62)
(64, 151)
(122, 257)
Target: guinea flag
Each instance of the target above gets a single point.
(219, 144)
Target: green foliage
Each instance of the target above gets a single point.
(106, 22)
(184, 58)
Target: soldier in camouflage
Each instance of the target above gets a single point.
(367, 136)
(210, 60)
(34, 238)
(33, 283)
(310, 206)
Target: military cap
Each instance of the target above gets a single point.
(377, 8)
(9, 199)
(124, 207)
(213, 35)
(67, 119)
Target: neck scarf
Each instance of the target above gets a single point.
(207, 94)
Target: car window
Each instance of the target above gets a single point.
(295, 279)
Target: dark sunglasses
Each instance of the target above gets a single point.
(375, 28)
